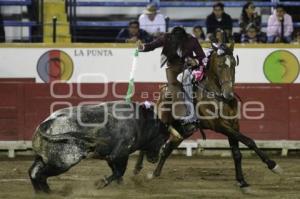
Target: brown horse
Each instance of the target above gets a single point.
(217, 109)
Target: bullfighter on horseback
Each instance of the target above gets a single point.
(180, 49)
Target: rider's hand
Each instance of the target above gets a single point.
(192, 62)
(132, 40)
(140, 45)
(198, 74)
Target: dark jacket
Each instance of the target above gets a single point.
(245, 21)
(192, 48)
(124, 35)
(2, 33)
(212, 23)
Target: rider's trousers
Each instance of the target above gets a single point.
(179, 109)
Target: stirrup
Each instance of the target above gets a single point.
(188, 128)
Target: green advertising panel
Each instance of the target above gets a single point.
(281, 66)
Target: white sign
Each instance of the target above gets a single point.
(97, 65)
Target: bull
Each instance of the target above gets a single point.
(110, 131)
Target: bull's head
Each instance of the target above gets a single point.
(156, 132)
(154, 146)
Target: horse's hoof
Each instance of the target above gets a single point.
(277, 169)
(246, 190)
(150, 176)
(100, 184)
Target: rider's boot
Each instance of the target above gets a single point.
(188, 128)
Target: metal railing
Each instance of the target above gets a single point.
(15, 2)
(179, 4)
(20, 22)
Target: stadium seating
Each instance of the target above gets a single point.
(100, 21)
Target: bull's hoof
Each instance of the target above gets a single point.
(277, 169)
(136, 171)
(110, 158)
(120, 181)
(100, 184)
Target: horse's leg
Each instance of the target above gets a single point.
(252, 145)
(139, 163)
(166, 151)
(237, 157)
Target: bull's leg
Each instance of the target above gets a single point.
(120, 149)
(166, 151)
(252, 145)
(139, 163)
(40, 171)
(118, 167)
(36, 176)
(237, 157)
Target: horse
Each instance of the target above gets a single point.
(214, 92)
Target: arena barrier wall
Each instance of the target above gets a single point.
(25, 103)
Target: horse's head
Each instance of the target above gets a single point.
(222, 69)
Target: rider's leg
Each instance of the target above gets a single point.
(175, 88)
(179, 109)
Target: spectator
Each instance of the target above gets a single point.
(252, 35)
(2, 33)
(249, 16)
(219, 36)
(153, 22)
(297, 37)
(133, 33)
(198, 33)
(280, 26)
(218, 19)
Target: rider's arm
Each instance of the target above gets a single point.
(159, 42)
(200, 55)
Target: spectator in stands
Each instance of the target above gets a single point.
(252, 35)
(219, 36)
(297, 37)
(133, 33)
(280, 26)
(249, 16)
(2, 33)
(218, 19)
(198, 33)
(152, 21)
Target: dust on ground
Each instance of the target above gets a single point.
(183, 177)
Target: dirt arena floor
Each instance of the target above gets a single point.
(183, 177)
